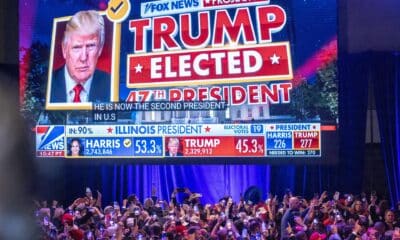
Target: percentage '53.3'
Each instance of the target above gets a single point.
(143, 146)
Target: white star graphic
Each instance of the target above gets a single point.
(138, 68)
(275, 59)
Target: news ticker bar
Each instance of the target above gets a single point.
(160, 106)
(194, 140)
(108, 112)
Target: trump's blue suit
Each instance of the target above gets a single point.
(99, 90)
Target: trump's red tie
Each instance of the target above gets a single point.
(77, 90)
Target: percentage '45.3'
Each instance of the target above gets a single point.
(247, 146)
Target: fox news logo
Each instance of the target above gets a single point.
(165, 7)
(50, 141)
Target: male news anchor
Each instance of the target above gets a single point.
(79, 80)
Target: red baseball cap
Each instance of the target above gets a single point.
(317, 236)
(76, 234)
(67, 218)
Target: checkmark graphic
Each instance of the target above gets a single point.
(118, 10)
(118, 7)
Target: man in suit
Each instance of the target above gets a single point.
(79, 80)
(173, 148)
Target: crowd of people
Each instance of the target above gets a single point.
(335, 216)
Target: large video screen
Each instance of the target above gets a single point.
(170, 81)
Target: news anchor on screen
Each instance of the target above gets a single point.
(78, 80)
(75, 148)
(173, 148)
